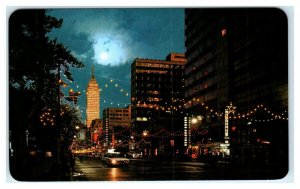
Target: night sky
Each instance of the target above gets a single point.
(111, 39)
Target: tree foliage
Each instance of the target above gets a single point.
(70, 122)
(34, 57)
(35, 65)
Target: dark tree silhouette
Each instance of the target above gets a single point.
(35, 64)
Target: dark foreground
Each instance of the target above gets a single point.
(153, 170)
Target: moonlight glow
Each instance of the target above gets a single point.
(103, 55)
(109, 50)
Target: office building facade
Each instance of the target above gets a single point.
(116, 124)
(156, 90)
(157, 105)
(237, 56)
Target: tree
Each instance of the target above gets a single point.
(35, 64)
(70, 122)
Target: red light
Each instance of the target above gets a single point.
(233, 129)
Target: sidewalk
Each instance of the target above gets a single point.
(77, 175)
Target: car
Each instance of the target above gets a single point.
(134, 155)
(115, 159)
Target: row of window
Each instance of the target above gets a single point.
(201, 61)
(152, 78)
(157, 65)
(201, 86)
(200, 74)
(119, 115)
(119, 118)
(143, 71)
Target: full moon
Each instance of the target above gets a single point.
(103, 55)
(109, 50)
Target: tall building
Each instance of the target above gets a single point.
(238, 56)
(157, 104)
(156, 90)
(92, 100)
(117, 121)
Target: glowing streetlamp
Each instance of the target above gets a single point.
(145, 133)
(194, 120)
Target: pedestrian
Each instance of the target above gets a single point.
(80, 157)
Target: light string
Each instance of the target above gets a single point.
(261, 108)
(110, 84)
(162, 133)
(244, 115)
(48, 118)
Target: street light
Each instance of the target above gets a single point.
(145, 133)
(146, 147)
(194, 120)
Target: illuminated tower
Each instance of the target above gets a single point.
(92, 100)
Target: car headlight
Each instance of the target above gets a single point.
(113, 161)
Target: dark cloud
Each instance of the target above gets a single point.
(135, 31)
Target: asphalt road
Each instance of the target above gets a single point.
(153, 170)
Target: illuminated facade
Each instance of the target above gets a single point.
(96, 130)
(92, 100)
(116, 120)
(238, 56)
(156, 89)
(157, 104)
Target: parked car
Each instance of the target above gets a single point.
(115, 159)
(135, 155)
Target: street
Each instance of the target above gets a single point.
(154, 170)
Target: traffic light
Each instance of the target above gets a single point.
(73, 96)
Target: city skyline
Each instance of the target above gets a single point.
(221, 104)
(110, 39)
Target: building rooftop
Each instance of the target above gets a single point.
(172, 58)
